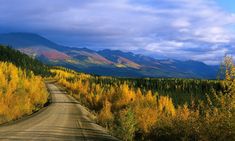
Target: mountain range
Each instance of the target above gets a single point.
(105, 62)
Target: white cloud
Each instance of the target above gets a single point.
(175, 28)
(181, 23)
(213, 34)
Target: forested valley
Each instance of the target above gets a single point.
(130, 108)
(158, 109)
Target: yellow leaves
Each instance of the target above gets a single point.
(3, 81)
(122, 93)
(145, 106)
(14, 78)
(148, 110)
(150, 99)
(229, 68)
(139, 95)
(38, 95)
(19, 94)
(183, 112)
(2, 105)
(148, 114)
(165, 105)
(96, 100)
(105, 115)
(60, 73)
(124, 96)
(146, 118)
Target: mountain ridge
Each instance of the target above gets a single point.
(105, 62)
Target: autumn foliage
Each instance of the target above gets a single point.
(132, 113)
(20, 94)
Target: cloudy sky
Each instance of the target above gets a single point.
(201, 30)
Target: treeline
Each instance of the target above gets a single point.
(180, 90)
(20, 93)
(23, 61)
(134, 110)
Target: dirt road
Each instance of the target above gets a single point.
(65, 119)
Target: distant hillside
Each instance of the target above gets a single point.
(23, 61)
(105, 62)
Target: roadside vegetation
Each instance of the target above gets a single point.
(22, 89)
(20, 94)
(134, 112)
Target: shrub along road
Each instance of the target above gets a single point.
(65, 119)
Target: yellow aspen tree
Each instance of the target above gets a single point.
(146, 118)
(166, 106)
(105, 116)
(150, 99)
